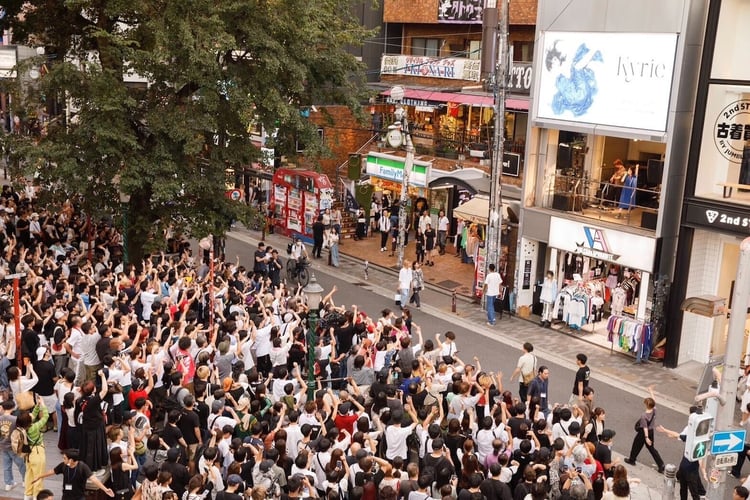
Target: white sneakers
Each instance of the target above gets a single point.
(9, 487)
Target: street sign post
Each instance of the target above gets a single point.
(728, 442)
(725, 461)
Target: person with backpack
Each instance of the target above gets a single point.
(27, 441)
(7, 426)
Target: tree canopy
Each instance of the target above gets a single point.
(208, 69)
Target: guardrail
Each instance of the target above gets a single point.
(602, 200)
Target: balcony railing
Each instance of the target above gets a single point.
(598, 200)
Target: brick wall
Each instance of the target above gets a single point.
(425, 11)
(343, 135)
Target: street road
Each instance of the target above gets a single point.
(622, 407)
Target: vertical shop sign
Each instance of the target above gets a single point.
(526, 275)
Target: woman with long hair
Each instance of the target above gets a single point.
(90, 417)
(121, 467)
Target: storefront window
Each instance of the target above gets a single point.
(724, 165)
(731, 47)
(605, 178)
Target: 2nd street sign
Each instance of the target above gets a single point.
(728, 442)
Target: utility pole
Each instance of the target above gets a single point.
(495, 216)
(728, 390)
(398, 133)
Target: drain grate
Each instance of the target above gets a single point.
(359, 283)
(448, 284)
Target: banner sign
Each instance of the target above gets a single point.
(615, 79)
(451, 68)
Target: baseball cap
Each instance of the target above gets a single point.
(128, 414)
(217, 405)
(40, 352)
(266, 465)
(235, 479)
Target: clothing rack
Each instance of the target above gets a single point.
(633, 336)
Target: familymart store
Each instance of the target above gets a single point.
(387, 173)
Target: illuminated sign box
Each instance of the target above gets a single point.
(620, 80)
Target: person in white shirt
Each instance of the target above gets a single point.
(491, 289)
(395, 434)
(424, 219)
(443, 225)
(73, 346)
(405, 276)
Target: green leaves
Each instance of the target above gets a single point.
(160, 95)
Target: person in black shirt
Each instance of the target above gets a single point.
(261, 260)
(171, 434)
(75, 475)
(45, 370)
(318, 229)
(189, 425)
(493, 488)
(235, 489)
(180, 475)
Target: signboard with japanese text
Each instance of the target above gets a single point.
(452, 68)
(724, 162)
(460, 11)
(622, 80)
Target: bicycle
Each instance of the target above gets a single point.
(297, 271)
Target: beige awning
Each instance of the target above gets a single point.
(474, 210)
(478, 208)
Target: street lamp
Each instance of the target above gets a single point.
(125, 205)
(314, 293)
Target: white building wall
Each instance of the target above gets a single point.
(704, 277)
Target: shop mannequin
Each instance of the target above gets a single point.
(548, 296)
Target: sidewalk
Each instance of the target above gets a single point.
(448, 272)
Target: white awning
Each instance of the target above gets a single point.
(477, 210)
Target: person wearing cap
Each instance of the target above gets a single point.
(603, 452)
(45, 370)
(216, 420)
(235, 488)
(75, 476)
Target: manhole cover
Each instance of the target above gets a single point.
(448, 284)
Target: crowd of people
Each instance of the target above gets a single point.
(179, 378)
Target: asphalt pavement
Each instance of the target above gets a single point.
(619, 385)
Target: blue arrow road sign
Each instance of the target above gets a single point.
(728, 442)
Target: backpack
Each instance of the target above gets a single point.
(19, 442)
(173, 401)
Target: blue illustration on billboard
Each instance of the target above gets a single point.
(619, 80)
(576, 85)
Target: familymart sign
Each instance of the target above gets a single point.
(392, 168)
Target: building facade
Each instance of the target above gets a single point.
(715, 217)
(612, 109)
